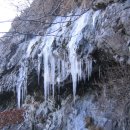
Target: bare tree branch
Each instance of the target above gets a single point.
(38, 20)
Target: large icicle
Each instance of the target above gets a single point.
(46, 73)
(22, 82)
(76, 37)
(21, 85)
(48, 59)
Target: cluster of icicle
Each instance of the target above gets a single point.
(55, 69)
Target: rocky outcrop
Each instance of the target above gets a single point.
(89, 40)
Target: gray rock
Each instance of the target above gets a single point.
(109, 34)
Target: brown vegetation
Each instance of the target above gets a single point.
(10, 117)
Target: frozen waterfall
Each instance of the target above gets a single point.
(57, 64)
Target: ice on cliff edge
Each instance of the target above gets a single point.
(55, 68)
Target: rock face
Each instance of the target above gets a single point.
(82, 48)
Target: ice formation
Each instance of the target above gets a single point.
(22, 82)
(55, 68)
(76, 69)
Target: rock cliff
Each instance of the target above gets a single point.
(66, 64)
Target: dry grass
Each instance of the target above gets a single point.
(11, 117)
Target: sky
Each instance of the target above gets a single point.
(8, 11)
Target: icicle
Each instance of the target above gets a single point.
(63, 69)
(74, 73)
(59, 74)
(22, 82)
(48, 61)
(76, 32)
(89, 67)
(53, 74)
(74, 78)
(46, 73)
(39, 66)
(25, 77)
(79, 70)
(19, 95)
(23, 73)
(19, 87)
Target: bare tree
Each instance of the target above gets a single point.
(40, 14)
